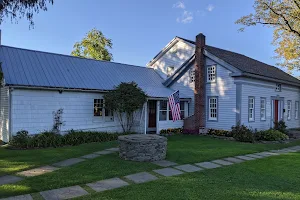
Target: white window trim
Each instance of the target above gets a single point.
(296, 109)
(102, 108)
(209, 70)
(251, 119)
(160, 110)
(278, 87)
(263, 109)
(289, 110)
(210, 118)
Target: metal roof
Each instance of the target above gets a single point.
(30, 68)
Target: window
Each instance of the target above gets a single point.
(181, 111)
(213, 108)
(289, 110)
(170, 70)
(251, 106)
(163, 108)
(192, 75)
(278, 87)
(296, 109)
(211, 73)
(109, 115)
(263, 108)
(98, 107)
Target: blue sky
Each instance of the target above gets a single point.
(140, 29)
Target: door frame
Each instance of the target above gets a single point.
(280, 109)
(152, 129)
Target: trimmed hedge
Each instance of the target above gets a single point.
(22, 140)
(270, 135)
(242, 133)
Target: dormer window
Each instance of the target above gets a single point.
(192, 75)
(170, 71)
(211, 73)
(278, 87)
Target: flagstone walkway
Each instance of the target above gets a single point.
(171, 169)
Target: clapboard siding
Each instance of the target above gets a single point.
(225, 89)
(4, 115)
(175, 56)
(32, 110)
(266, 90)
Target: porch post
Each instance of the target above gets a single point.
(145, 106)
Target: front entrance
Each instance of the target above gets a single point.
(277, 109)
(151, 115)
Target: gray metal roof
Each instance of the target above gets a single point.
(22, 67)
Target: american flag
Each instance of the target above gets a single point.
(174, 102)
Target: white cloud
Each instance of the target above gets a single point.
(186, 17)
(210, 7)
(179, 4)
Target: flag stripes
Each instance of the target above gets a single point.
(174, 103)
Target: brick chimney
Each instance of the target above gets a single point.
(199, 91)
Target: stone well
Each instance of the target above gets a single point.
(142, 148)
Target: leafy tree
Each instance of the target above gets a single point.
(95, 45)
(284, 17)
(16, 9)
(125, 100)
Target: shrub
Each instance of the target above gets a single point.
(49, 139)
(171, 131)
(270, 135)
(242, 133)
(219, 132)
(280, 126)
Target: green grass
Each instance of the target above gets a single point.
(12, 161)
(181, 149)
(266, 179)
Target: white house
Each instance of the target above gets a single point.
(218, 89)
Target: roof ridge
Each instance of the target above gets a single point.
(60, 54)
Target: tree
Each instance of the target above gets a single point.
(95, 45)
(16, 9)
(284, 17)
(125, 100)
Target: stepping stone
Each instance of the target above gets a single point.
(289, 150)
(9, 179)
(113, 149)
(245, 158)
(107, 184)
(234, 160)
(64, 193)
(208, 165)
(69, 162)
(90, 156)
(265, 154)
(168, 172)
(254, 156)
(38, 171)
(164, 163)
(141, 177)
(21, 197)
(188, 168)
(278, 151)
(104, 152)
(222, 162)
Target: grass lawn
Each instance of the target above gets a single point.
(266, 179)
(181, 149)
(12, 161)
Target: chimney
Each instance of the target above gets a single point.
(199, 91)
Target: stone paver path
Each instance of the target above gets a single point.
(234, 160)
(107, 184)
(64, 193)
(76, 191)
(222, 162)
(208, 165)
(91, 156)
(254, 156)
(9, 179)
(188, 168)
(168, 172)
(245, 158)
(104, 152)
(21, 197)
(164, 163)
(113, 149)
(37, 171)
(68, 162)
(141, 177)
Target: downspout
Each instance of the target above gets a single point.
(10, 121)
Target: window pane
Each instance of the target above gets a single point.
(170, 115)
(163, 105)
(162, 115)
(98, 107)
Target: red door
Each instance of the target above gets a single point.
(152, 114)
(276, 111)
